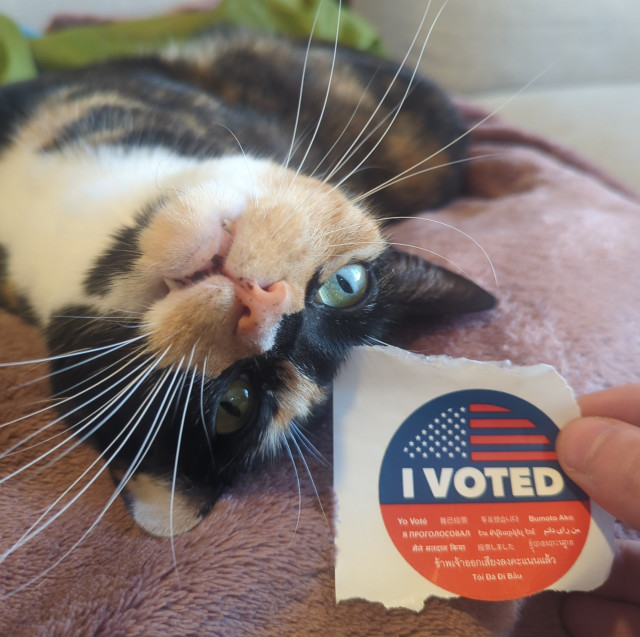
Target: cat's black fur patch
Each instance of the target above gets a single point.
(16, 104)
(118, 260)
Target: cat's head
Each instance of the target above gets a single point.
(228, 308)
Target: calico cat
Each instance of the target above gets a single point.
(199, 234)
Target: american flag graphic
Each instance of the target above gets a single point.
(479, 432)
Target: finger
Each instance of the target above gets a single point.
(612, 609)
(621, 403)
(586, 615)
(602, 456)
(622, 583)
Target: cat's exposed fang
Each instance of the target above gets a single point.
(172, 284)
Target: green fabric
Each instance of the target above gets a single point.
(16, 61)
(82, 45)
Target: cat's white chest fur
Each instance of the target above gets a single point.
(60, 210)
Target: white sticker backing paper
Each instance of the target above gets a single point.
(447, 482)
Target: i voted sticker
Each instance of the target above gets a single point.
(474, 499)
(447, 482)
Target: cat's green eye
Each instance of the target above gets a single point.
(345, 287)
(235, 407)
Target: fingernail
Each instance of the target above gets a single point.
(579, 441)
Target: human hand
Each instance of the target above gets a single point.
(601, 453)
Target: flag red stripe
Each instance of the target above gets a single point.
(484, 407)
(501, 423)
(509, 440)
(478, 456)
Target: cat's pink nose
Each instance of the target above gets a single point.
(263, 306)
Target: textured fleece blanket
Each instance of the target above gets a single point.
(564, 241)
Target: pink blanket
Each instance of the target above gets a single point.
(565, 244)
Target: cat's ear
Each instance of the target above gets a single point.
(416, 291)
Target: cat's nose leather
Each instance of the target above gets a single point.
(263, 306)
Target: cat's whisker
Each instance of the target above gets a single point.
(328, 91)
(103, 351)
(349, 153)
(494, 274)
(296, 430)
(51, 374)
(108, 408)
(287, 448)
(78, 352)
(342, 133)
(407, 174)
(37, 527)
(313, 482)
(411, 171)
(414, 173)
(148, 441)
(130, 388)
(433, 253)
(393, 180)
(116, 316)
(373, 341)
(61, 401)
(292, 146)
(202, 414)
(118, 320)
(120, 310)
(436, 254)
(175, 464)
(392, 114)
(56, 401)
(133, 355)
(20, 448)
(461, 232)
(459, 138)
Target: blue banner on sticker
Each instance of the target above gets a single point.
(475, 445)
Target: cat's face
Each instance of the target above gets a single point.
(246, 259)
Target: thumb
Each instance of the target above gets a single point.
(602, 455)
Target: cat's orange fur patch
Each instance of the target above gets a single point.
(296, 400)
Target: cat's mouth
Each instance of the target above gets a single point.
(212, 267)
(199, 265)
(217, 316)
(255, 308)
